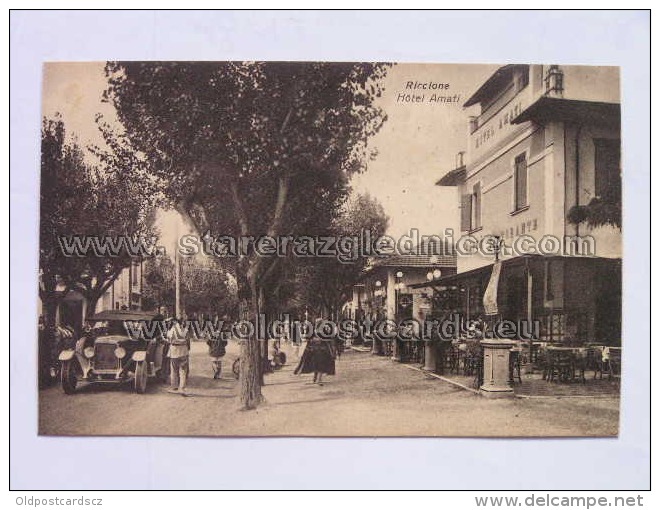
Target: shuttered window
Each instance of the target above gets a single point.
(520, 182)
(466, 212)
(471, 209)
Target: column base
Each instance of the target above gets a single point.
(496, 391)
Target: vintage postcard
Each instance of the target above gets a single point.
(330, 249)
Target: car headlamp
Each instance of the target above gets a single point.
(89, 352)
(120, 352)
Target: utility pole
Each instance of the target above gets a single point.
(177, 275)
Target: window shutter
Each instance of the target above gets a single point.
(466, 212)
(477, 205)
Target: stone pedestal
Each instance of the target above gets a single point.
(429, 355)
(396, 350)
(376, 346)
(496, 368)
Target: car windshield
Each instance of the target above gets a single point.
(116, 328)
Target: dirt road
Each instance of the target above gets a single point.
(369, 396)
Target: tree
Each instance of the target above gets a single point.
(207, 288)
(328, 282)
(158, 287)
(62, 173)
(251, 149)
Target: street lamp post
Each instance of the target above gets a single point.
(429, 348)
(376, 346)
(396, 347)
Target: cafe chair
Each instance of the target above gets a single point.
(514, 365)
(594, 360)
(561, 366)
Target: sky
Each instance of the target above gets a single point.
(416, 146)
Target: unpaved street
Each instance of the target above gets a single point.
(369, 396)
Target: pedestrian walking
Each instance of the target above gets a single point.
(296, 338)
(217, 349)
(317, 358)
(340, 345)
(179, 353)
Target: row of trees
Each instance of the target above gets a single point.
(253, 148)
(108, 192)
(112, 196)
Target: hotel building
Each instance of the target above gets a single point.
(541, 141)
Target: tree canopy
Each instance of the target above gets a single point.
(251, 149)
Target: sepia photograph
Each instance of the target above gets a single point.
(330, 249)
(353, 251)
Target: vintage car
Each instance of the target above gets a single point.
(111, 351)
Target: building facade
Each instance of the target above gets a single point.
(542, 142)
(124, 293)
(390, 290)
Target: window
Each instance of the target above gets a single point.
(520, 182)
(608, 168)
(471, 209)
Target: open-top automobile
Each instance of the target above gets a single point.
(119, 346)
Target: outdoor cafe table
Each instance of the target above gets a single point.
(564, 362)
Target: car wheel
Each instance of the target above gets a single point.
(236, 368)
(68, 377)
(140, 377)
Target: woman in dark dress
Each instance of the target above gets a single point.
(318, 358)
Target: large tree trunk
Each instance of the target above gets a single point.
(250, 377)
(92, 302)
(263, 342)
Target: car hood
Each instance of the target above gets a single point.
(111, 339)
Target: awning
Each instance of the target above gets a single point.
(490, 296)
(452, 279)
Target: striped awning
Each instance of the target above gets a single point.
(490, 296)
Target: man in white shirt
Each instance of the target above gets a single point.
(179, 352)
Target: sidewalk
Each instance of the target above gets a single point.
(533, 385)
(371, 395)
